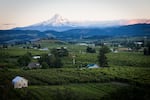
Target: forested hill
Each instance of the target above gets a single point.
(129, 30)
(7, 36)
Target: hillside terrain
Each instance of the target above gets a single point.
(137, 30)
(126, 78)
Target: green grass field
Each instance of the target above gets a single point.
(127, 78)
(69, 83)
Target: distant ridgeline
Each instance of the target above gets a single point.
(12, 36)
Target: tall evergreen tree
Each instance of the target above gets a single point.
(102, 56)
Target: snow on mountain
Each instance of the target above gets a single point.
(58, 23)
(56, 20)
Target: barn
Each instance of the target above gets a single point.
(20, 82)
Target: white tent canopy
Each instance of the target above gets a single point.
(19, 82)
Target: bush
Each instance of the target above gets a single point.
(25, 59)
(60, 52)
(44, 65)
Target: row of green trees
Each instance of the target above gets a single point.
(50, 61)
(53, 60)
(102, 59)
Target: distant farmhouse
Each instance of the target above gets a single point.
(124, 49)
(92, 66)
(138, 44)
(20, 82)
(44, 49)
(36, 57)
(86, 44)
(34, 65)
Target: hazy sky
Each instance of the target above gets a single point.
(15, 13)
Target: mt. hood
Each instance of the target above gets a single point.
(58, 23)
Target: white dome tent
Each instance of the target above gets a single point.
(20, 82)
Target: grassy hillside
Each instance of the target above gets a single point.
(134, 59)
(139, 76)
(69, 83)
(127, 78)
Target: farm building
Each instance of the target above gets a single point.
(34, 65)
(20, 82)
(82, 44)
(44, 49)
(92, 66)
(124, 49)
(36, 57)
(139, 44)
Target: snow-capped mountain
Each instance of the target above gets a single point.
(58, 23)
(55, 21)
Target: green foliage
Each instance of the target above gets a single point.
(90, 50)
(51, 60)
(102, 57)
(139, 76)
(60, 52)
(147, 50)
(5, 46)
(129, 93)
(25, 59)
(69, 83)
(6, 88)
(44, 65)
(3, 56)
(132, 59)
(105, 49)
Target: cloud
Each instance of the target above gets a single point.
(8, 24)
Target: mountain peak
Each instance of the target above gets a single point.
(58, 23)
(56, 20)
(57, 16)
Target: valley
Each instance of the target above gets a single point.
(127, 76)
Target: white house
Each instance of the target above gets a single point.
(92, 66)
(20, 82)
(36, 57)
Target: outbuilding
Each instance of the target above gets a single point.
(34, 65)
(36, 57)
(20, 82)
(92, 66)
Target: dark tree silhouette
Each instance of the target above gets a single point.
(102, 56)
(52, 61)
(25, 59)
(90, 50)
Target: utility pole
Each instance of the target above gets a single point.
(73, 60)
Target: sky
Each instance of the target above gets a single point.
(19, 13)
